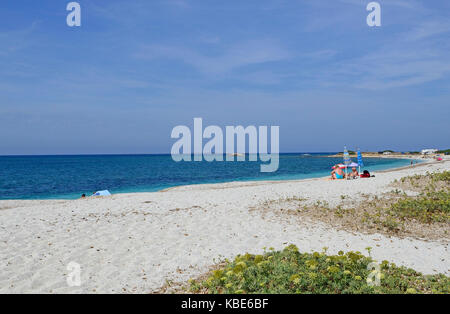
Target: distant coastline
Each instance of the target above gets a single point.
(378, 155)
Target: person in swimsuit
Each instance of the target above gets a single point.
(337, 173)
(354, 173)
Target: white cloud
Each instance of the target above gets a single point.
(408, 4)
(428, 29)
(239, 55)
(394, 68)
(15, 40)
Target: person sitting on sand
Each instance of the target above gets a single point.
(337, 173)
(354, 174)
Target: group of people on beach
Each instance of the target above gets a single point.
(337, 173)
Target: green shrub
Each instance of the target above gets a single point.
(432, 207)
(441, 176)
(290, 271)
(446, 152)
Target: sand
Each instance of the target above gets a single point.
(136, 243)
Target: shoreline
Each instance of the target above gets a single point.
(251, 181)
(256, 182)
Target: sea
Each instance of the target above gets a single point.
(68, 177)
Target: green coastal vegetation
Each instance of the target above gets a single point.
(381, 152)
(423, 212)
(431, 205)
(290, 271)
(428, 208)
(445, 152)
(396, 212)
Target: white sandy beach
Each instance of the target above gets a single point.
(134, 243)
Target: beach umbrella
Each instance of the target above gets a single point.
(360, 160)
(350, 165)
(347, 159)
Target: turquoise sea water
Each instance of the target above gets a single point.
(67, 177)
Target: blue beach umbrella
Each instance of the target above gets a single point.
(360, 160)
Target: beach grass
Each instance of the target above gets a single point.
(428, 208)
(423, 212)
(292, 272)
(433, 202)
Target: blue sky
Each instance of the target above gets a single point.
(136, 69)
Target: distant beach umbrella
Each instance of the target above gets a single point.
(360, 160)
(347, 159)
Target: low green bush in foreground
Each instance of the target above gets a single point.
(290, 271)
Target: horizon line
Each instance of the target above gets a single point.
(137, 154)
(168, 154)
